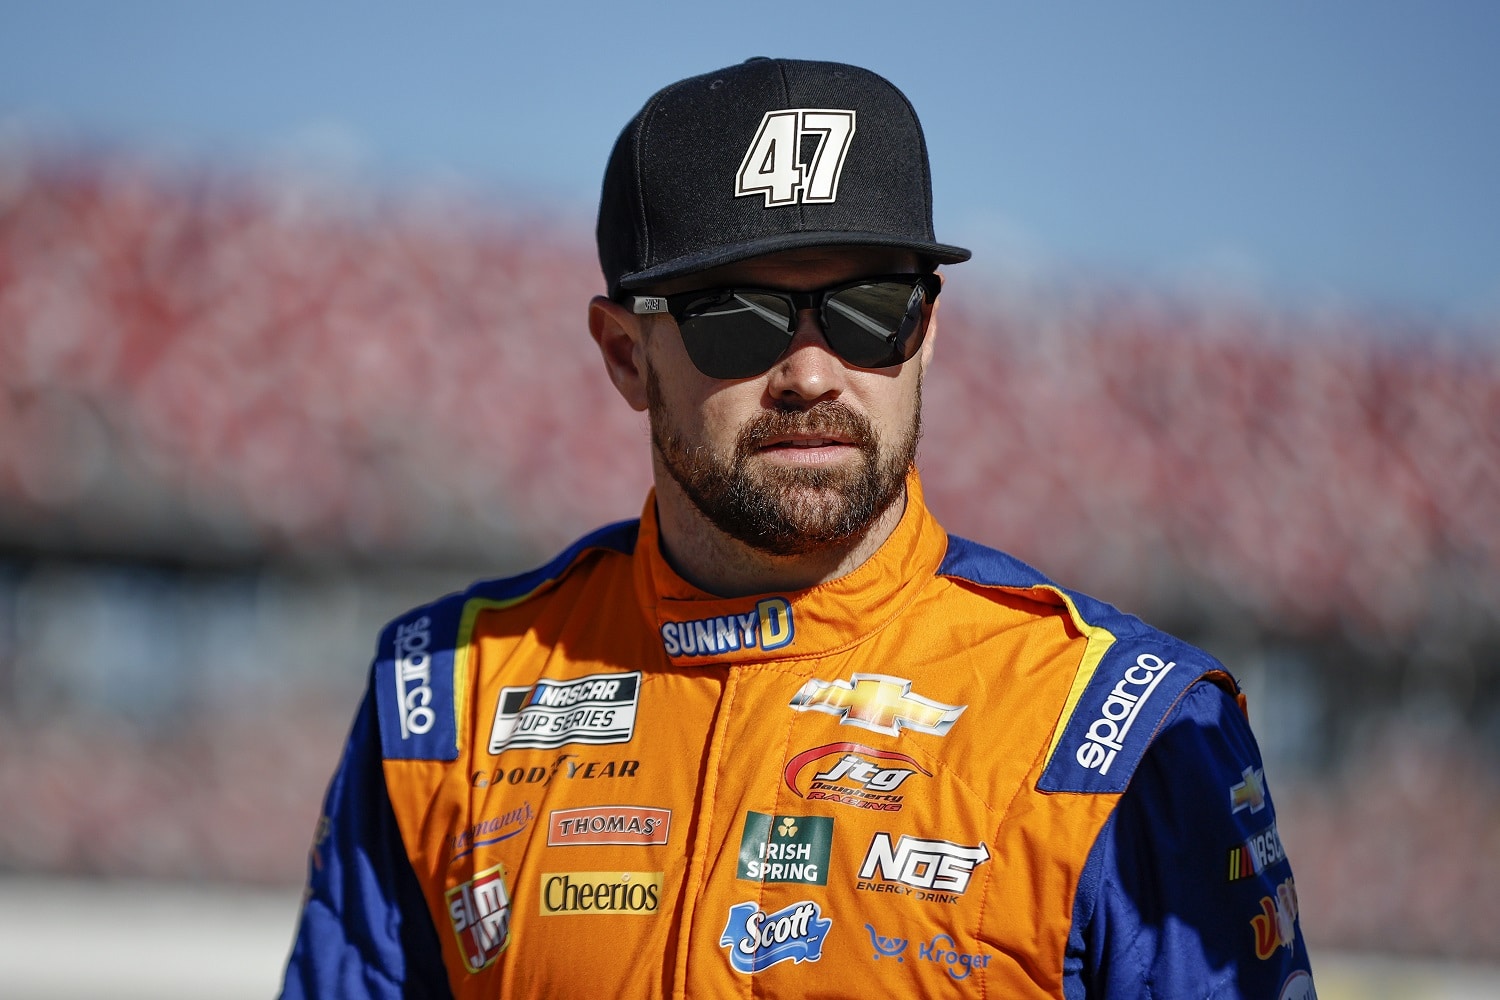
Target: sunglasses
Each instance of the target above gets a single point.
(733, 333)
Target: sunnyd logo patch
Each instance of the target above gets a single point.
(878, 703)
(599, 708)
(785, 848)
(480, 911)
(769, 626)
(853, 774)
(758, 940)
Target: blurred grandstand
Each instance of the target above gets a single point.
(245, 418)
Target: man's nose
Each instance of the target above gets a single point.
(809, 371)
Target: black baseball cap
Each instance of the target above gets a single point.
(768, 155)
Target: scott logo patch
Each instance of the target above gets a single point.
(769, 626)
(480, 911)
(852, 774)
(878, 703)
(608, 825)
(596, 709)
(785, 848)
(758, 940)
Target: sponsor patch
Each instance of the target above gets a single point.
(1298, 986)
(933, 870)
(1275, 926)
(1250, 793)
(852, 774)
(1256, 854)
(959, 964)
(480, 912)
(878, 703)
(1107, 733)
(785, 848)
(768, 626)
(490, 831)
(886, 947)
(567, 767)
(758, 940)
(625, 825)
(596, 709)
(599, 892)
(413, 655)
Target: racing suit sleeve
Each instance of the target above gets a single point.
(365, 930)
(1187, 891)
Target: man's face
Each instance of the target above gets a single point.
(805, 456)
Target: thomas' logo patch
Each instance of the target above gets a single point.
(878, 703)
(758, 940)
(852, 774)
(769, 626)
(600, 892)
(1256, 854)
(936, 870)
(785, 848)
(480, 911)
(596, 709)
(608, 825)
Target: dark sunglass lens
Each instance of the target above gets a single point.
(875, 325)
(737, 335)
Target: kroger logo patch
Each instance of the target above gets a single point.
(785, 848)
(599, 708)
(480, 912)
(758, 940)
(769, 627)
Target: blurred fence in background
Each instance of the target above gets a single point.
(244, 419)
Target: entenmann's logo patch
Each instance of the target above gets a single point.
(769, 626)
(596, 709)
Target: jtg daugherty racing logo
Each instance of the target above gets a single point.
(413, 655)
(853, 774)
(1106, 736)
(596, 709)
(757, 940)
(769, 626)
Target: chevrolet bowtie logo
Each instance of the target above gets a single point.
(879, 703)
(1250, 793)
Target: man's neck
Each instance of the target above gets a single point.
(715, 562)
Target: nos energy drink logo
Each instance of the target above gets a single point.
(758, 940)
(769, 626)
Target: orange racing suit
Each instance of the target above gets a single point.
(915, 780)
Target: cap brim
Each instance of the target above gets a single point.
(936, 253)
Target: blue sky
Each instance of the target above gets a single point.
(1332, 152)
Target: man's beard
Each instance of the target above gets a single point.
(789, 511)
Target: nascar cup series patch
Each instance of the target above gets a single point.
(596, 709)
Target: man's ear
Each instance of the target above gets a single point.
(620, 335)
(931, 335)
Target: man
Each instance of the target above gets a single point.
(784, 736)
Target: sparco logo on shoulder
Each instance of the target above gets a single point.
(1106, 735)
(413, 655)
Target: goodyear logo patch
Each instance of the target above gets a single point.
(878, 703)
(769, 626)
(480, 912)
(785, 848)
(596, 709)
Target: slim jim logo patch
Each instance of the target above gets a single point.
(596, 709)
(480, 911)
(623, 825)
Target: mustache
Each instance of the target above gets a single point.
(829, 418)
